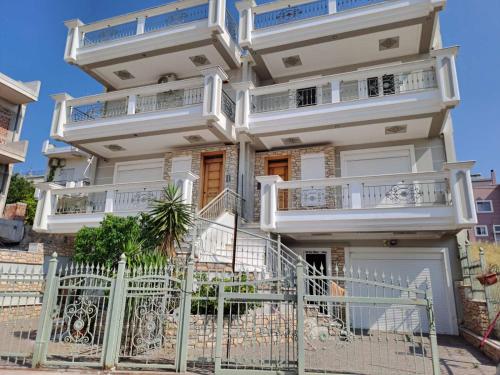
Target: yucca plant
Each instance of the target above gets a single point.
(169, 220)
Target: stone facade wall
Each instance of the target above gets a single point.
(475, 312)
(20, 313)
(196, 153)
(62, 244)
(295, 165)
(5, 119)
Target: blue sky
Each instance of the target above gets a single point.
(32, 38)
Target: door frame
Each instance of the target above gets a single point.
(203, 155)
(278, 157)
(420, 253)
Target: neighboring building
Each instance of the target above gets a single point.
(331, 123)
(14, 97)
(487, 198)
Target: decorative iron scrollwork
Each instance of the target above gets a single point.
(405, 194)
(79, 319)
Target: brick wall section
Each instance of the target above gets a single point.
(475, 313)
(295, 165)
(22, 257)
(5, 119)
(15, 211)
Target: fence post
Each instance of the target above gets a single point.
(45, 321)
(487, 295)
(113, 337)
(300, 318)
(219, 328)
(432, 332)
(183, 337)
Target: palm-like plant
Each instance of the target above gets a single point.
(169, 220)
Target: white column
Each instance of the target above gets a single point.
(185, 180)
(268, 201)
(461, 192)
(217, 15)
(356, 192)
(242, 103)
(73, 40)
(131, 104)
(246, 21)
(141, 22)
(332, 6)
(59, 115)
(446, 75)
(110, 201)
(212, 91)
(45, 205)
(335, 91)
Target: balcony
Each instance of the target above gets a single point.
(430, 201)
(181, 35)
(393, 102)
(120, 123)
(326, 34)
(68, 209)
(13, 152)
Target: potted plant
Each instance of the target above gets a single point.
(489, 277)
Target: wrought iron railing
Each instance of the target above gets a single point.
(98, 110)
(93, 199)
(177, 17)
(168, 100)
(228, 106)
(372, 191)
(407, 194)
(80, 203)
(377, 86)
(291, 14)
(306, 10)
(152, 24)
(226, 201)
(231, 26)
(109, 34)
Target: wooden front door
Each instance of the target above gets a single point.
(280, 167)
(213, 177)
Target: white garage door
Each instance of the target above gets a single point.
(141, 171)
(418, 266)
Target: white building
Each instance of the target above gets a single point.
(331, 120)
(14, 98)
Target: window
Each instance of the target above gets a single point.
(496, 233)
(481, 230)
(484, 206)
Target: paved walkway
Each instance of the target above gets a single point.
(457, 358)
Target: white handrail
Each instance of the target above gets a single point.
(336, 181)
(102, 188)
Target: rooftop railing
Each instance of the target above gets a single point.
(292, 13)
(148, 24)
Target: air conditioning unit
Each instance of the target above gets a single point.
(169, 77)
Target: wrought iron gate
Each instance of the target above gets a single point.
(100, 317)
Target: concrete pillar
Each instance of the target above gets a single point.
(59, 115)
(212, 91)
(268, 201)
(184, 181)
(72, 40)
(246, 21)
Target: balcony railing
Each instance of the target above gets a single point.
(289, 13)
(373, 193)
(151, 24)
(228, 106)
(107, 198)
(231, 26)
(425, 198)
(152, 98)
(312, 93)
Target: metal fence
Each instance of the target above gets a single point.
(237, 322)
(490, 294)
